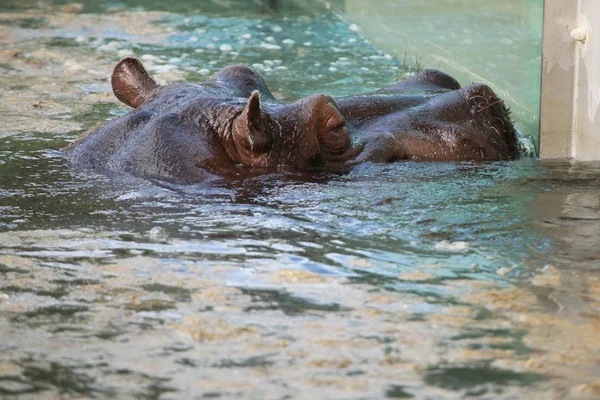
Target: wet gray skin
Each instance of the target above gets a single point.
(188, 131)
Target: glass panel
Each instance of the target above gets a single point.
(484, 41)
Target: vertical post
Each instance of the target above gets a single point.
(570, 104)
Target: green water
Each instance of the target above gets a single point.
(407, 280)
(494, 42)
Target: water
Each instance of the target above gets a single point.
(494, 42)
(409, 280)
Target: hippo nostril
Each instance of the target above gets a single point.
(438, 78)
(481, 98)
(334, 135)
(337, 140)
(480, 90)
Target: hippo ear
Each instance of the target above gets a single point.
(250, 128)
(252, 111)
(131, 83)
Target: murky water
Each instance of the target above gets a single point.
(410, 280)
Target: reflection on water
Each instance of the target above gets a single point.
(424, 280)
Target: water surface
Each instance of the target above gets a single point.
(409, 280)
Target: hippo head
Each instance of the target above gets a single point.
(310, 133)
(230, 122)
(429, 117)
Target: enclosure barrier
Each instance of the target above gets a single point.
(570, 118)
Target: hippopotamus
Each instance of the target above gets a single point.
(233, 123)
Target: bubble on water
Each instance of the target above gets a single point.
(289, 42)
(352, 40)
(354, 28)
(503, 271)
(276, 28)
(215, 38)
(332, 69)
(174, 60)
(73, 66)
(270, 46)
(161, 69)
(125, 53)
(246, 36)
(200, 30)
(150, 58)
(193, 38)
(270, 39)
(307, 44)
(452, 247)
(157, 233)
(210, 46)
(257, 66)
(225, 48)
(281, 68)
(204, 71)
(526, 144)
(110, 46)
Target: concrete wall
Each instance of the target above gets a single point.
(570, 117)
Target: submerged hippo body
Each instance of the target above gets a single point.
(232, 122)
